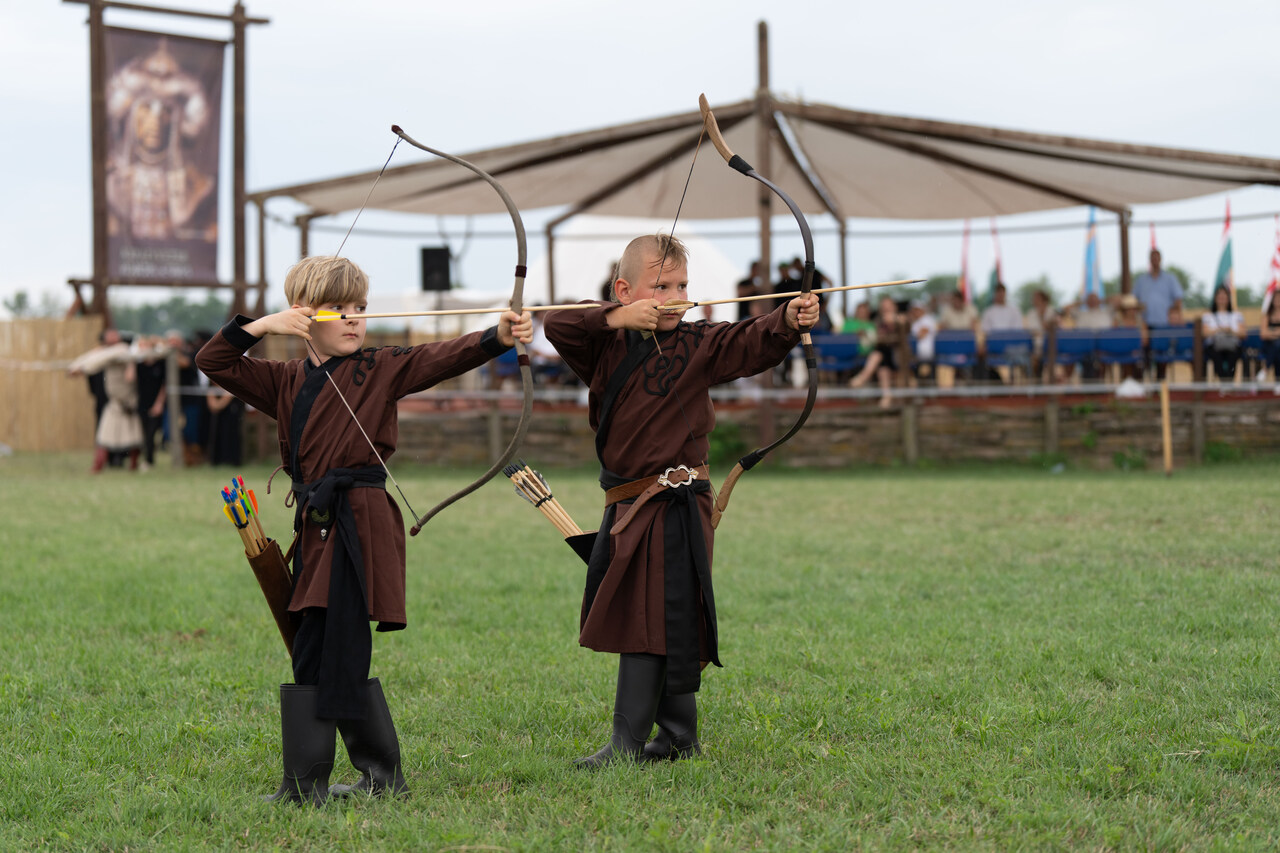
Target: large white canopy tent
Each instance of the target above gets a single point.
(835, 161)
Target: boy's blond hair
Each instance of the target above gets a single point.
(657, 249)
(325, 280)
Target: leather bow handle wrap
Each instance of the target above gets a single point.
(749, 461)
(517, 305)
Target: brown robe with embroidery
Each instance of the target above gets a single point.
(661, 418)
(372, 381)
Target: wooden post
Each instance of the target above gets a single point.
(762, 162)
(1052, 433)
(551, 266)
(910, 431)
(239, 303)
(99, 146)
(173, 404)
(1197, 427)
(1126, 280)
(844, 267)
(1166, 429)
(763, 159)
(261, 308)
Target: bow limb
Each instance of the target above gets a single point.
(517, 305)
(749, 461)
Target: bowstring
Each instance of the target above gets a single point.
(329, 375)
(661, 265)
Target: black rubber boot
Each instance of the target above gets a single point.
(640, 680)
(308, 746)
(677, 735)
(374, 749)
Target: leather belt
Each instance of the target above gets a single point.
(645, 488)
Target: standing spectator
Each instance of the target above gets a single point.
(546, 363)
(119, 428)
(151, 394)
(1224, 333)
(1160, 295)
(752, 285)
(226, 427)
(195, 411)
(606, 287)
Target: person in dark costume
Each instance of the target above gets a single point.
(349, 551)
(648, 595)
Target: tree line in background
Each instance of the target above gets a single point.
(1197, 294)
(175, 313)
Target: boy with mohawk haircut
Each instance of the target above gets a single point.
(648, 594)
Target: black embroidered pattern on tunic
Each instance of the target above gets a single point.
(662, 372)
(366, 356)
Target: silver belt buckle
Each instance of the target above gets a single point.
(664, 479)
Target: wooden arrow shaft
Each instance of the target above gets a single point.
(683, 306)
(675, 305)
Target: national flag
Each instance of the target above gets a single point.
(1273, 280)
(1092, 282)
(997, 275)
(963, 283)
(1226, 273)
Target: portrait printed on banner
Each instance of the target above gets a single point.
(163, 105)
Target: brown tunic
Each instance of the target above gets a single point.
(372, 381)
(661, 418)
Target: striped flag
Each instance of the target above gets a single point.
(963, 284)
(1092, 275)
(997, 274)
(1273, 280)
(1226, 274)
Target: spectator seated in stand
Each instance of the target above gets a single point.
(1224, 333)
(1269, 332)
(883, 360)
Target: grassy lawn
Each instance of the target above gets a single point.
(957, 659)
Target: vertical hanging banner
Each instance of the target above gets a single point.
(164, 103)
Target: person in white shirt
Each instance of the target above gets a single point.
(1224, 334)
(1000, 315)
(924, 328)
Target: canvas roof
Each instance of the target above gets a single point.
(828, 158)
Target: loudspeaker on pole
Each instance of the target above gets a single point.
(435, 268)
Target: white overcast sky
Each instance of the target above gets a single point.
(326, 78)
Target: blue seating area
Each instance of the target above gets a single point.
(838, 356)
(1170, 345)
(1011, 348)
(954, 348)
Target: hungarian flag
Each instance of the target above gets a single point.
(1092, 276)
(963, 283)
(1226, 274)
(997, 275)
(1273, 280)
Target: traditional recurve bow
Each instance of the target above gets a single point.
(517, 305)
(749, 461)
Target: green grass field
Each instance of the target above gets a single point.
(962, 659)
